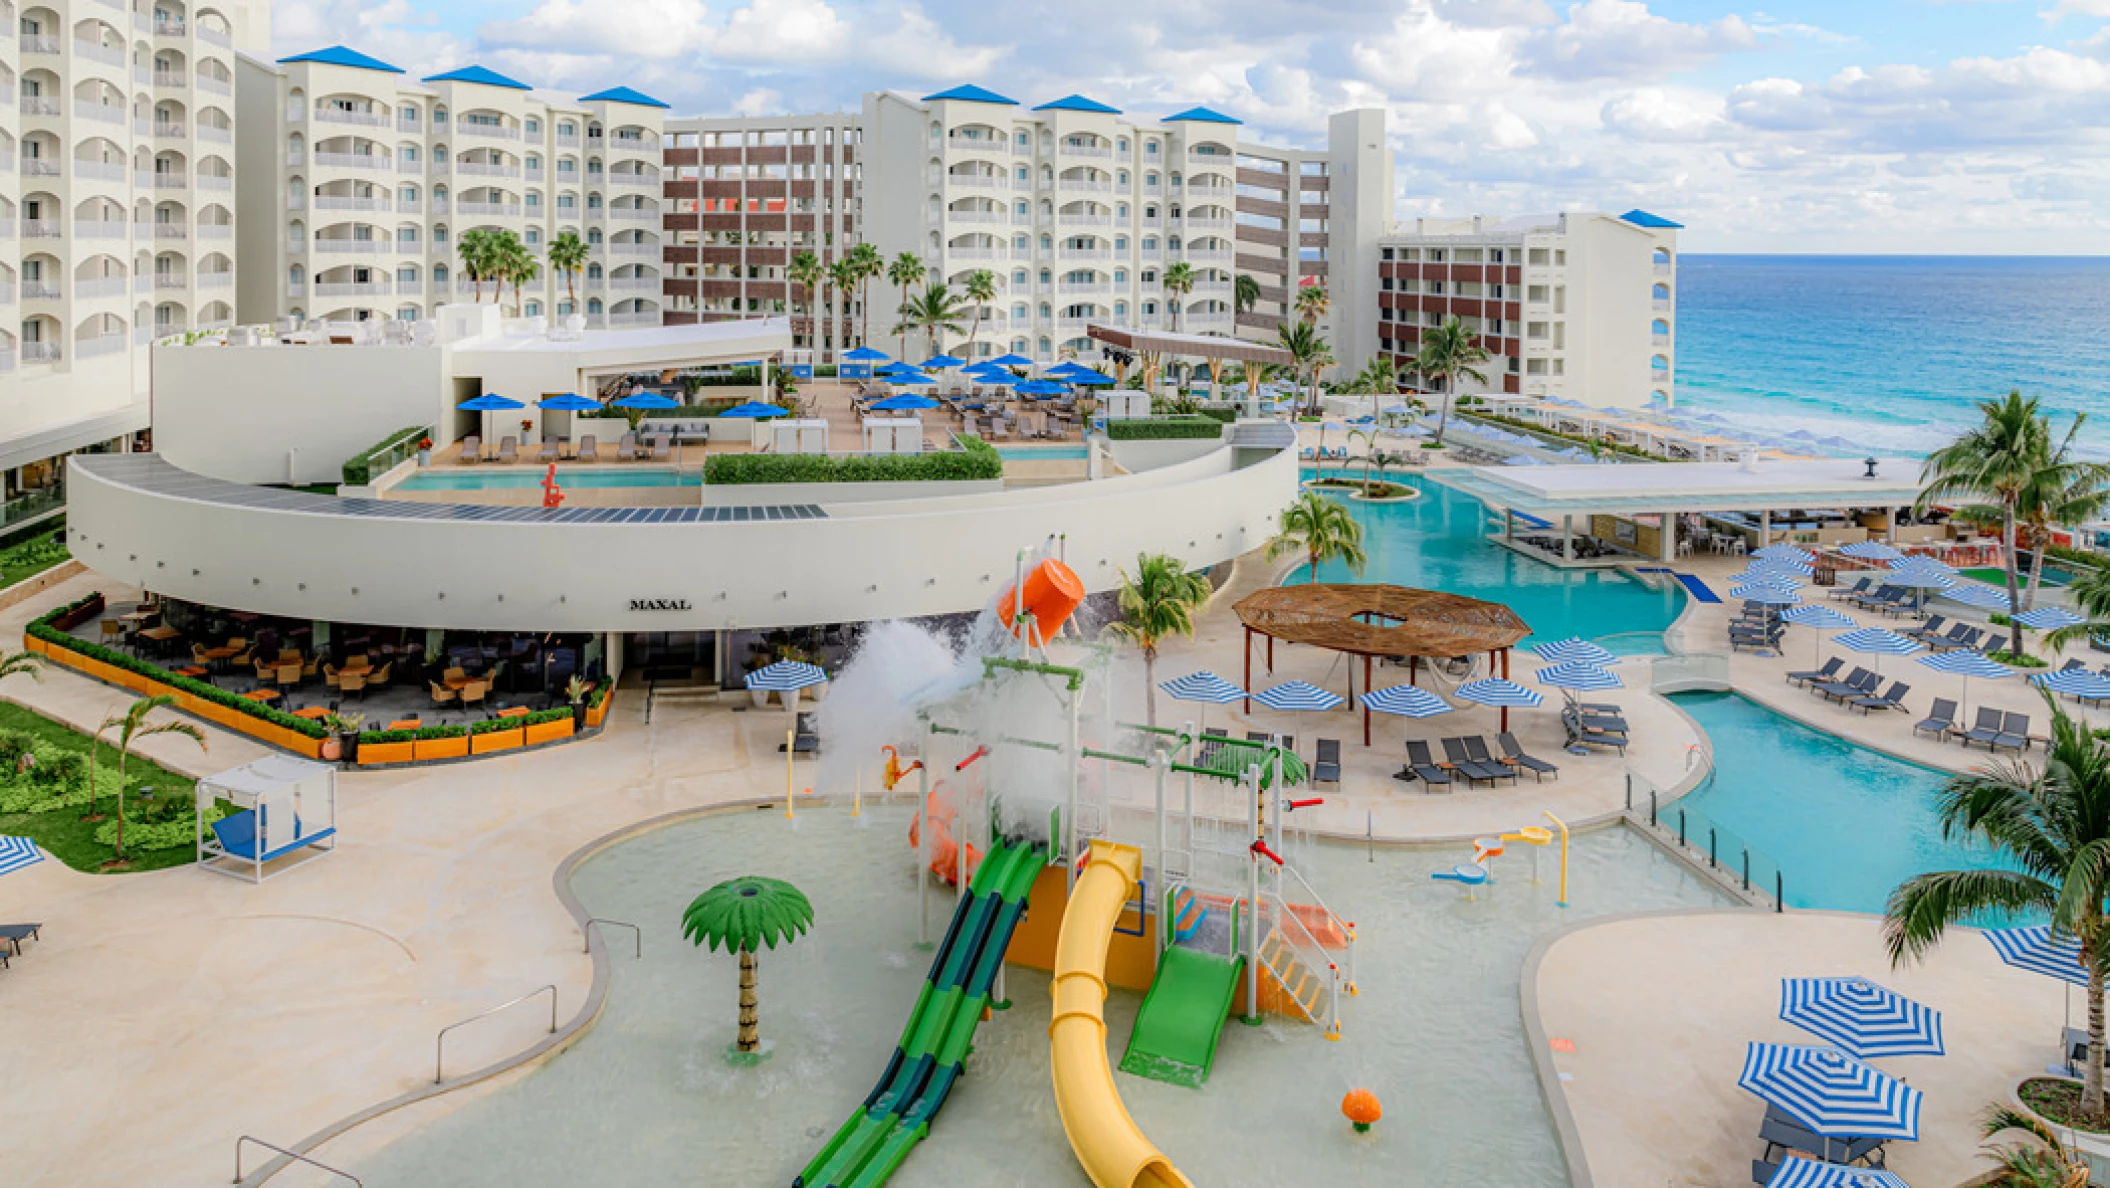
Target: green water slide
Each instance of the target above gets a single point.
(1174, 1039)
(934, 1045)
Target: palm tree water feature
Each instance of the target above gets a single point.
(744, 915)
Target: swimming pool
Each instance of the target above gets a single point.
(1847, 824)
(516, 480)
(1437, 542)
(646, 1098)
(1995, 576)
(1043, 453)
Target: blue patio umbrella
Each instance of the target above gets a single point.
(2036, 948)
(569, 402)
(909, 379)
(1500, 694)
(755, 408)
(995, 378)
(1871, 550)
(2077, 683)
(1039, 389)
(1797, 1172)
(936, 361)
(1572, 650)
(1830, 1093)
(898, 369)
(1788, 562)
(489, 402)
(1406, 701)
(1967, 665)
(1786, 552)
(1205, 688)
(646, 400)
(1579, 678)
(1822, 618)
(786, 676)
(1766, 595)
(905, 402)
(865, 354)
(1010, 361)
(1066, 367)
(1090, 379)
(1769, 573)
(1977, 594)
(1292, 696)
(1864, 1019)
(2049, 618)
(18, 852)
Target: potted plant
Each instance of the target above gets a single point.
(343, 740)
(575, 691)
(424, 452)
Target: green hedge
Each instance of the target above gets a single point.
(1225, 415)
(359, 469)
(976, 459)
(42, 629)
(1165, 428)
(2075, 556)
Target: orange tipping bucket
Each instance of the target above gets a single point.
(1053, 593)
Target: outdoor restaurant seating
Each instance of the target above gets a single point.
(441, 694)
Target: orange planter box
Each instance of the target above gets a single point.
(596, 714)
(496, 740)
(441, 748)
(543, 732)
(372, 753)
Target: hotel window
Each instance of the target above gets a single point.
(1537, 257)
(1435, 255)
(407, 277)
(1534, 367)
(409, 154)
(408, 313)
(1494, 255)
(534, 127)
(1384, 284)
(1388, 253)
(1150, 148)
(1560, 258)
(1560, 367)
(1534, 329)
(1120, 243)
(1535, 294)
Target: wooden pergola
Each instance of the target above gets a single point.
(1378, 620)
(1214, 349)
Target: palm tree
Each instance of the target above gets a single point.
(567, 254)
(1322, 530)
(1309, 353)
(2050, 830)
(1993, 462)
(131, 727)
(1245, 294)
(980, 290)
(517, 264)
(1369, 437)
(866, 266)
(744, 914)
(2061, 493)
(28, 663)
(2045, 1163)
(844, 276)
(1178, 281)
(805, 272)
(1448, 352)
(479, 248)
(1160, 601)
(1312, 302)
(935, 311)
(906, 270)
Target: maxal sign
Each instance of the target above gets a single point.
(659, 604)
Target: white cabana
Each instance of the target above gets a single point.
(286, 805)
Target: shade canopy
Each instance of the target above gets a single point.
(1406, 701)
(942, 361)
(905, 402)
(1967, 664)
(1878, 642)
(1090, 379)
(2076, 682)
(2049, 618)
(1976, 594)
(1822, 618)
(18, 852)
(646, 400)
(1864, 1019)
(1785, 552)
(755, 409)
(1923, 565)
(569, 402)
(786, 676)
(1582, 678)
(1204, 687)
(1002, 379)
(1572, 650)
(1830, 1092)
(1504, 694)
(1871, 550)
(865, 354)
(2036, 948)
(1294, 696)
(1766, 595)
(1402, 621)
(909, 379)
(489, 402)
(1797, 1172)
(1040, 388)
(1009, 361)
(899, 368)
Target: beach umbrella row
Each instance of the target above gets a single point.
(1871, 550)
(786, 676)
(1967, 665)
(1863, 1019)
(18, 852)
(1573, 650)
(1831, 1093)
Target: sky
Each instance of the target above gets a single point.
(1830, 126)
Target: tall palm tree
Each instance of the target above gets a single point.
(1322, 530)
(980, 290)
(843, 275)
(805, 271)
(1159, 601)
(745, 914)
(567, 254)
(1993, 462)
(1178, 281)
(935, 311)
(479, 250)
(2062, 492)
(131, 727)
(906, 269)
(2050, 829)
(1449, 352)
(1245, 294)
(1309, 354)
(866, 265)
(517, 264)
(1312, 302)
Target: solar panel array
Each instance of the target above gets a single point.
(150, 473)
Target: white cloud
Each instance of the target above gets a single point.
(781, 31)
(1613, 39)
(1659, 114)
(2084, 8)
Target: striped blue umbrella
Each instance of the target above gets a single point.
(1502, 694)
(1766, 571)
(786, 676)
(1919, 564)
(1406, 701)
(1786, 552)
(1821, 618)
(1298, 695)
(18, 852)
(1871, 550)
(2036, 948)
(2049, 618)
(1977, 594)
(1866, 1020)
(1573, 650)
(1797, 1172)
(1205, 687)
(1766, 595)
(1582, 678)
(1793, 565)
(1831, 1093)
(1876, 641)
(2077, 683)
(1967, 665)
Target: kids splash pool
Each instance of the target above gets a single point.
(647, 1098)
(521, 480)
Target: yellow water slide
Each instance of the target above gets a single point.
(1114, 1153)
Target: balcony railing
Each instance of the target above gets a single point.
(634, 214)
(1084, 220)
(1077, 186)
(42, 229)
(102, 113)
(352, 160)
(39, 105)
(216, 230)
(101, 286)
(41, 352)
(1659, 303)
(499, 209)
(39, 167)
(341, 202)
(101, 228)
(170, 128)
(370, 289)
(170, 78)
(170, 26)
(1073, 253)
(36, 43)
(1084, 287)
(409, 247)
(215, 86)
(980, 181)
(649, 318)
(1084, 150)
(634, 179)
(634, 249)
(96, 51)
(7, 293)
(41, 291)
(219, 37)
(171, 231)
(487, 131)
(635, 284)
(7, 360)
(215, 181)
(567, 140)
(979, 253)
(171, 181)
(295, 157)
(486, 169)
(215, 134)
(99, 170)
(352, 247)
(170, 280)
(976, 216)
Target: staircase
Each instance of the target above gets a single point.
(1298, 982)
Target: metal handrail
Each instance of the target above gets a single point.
(439, 1043)
(1283, 913)
(1346, 926)
(639, 933)
(250, 1138)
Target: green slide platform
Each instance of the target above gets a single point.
(933, 1048)
(1175, 1035)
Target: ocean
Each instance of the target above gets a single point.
(1890, 353)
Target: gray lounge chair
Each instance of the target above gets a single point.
(1858, 588)
(1941, 722)
(1830, 670)
(1930, 630)
(1460, 760)
(2014, 732)
(662, 448)
(1513, 754)
(1326, 769)
(15, 934)
(472, 449)
(1986, 729)
(1850, 687)
(509, 449)
(549, 450)
(626, 449)
(589, 449)
(1421, 765)
(1892, 698)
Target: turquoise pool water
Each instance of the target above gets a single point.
(1437, 542)
(1043, 453)
(516, 480)
(1846, 824)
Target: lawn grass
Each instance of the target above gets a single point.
(62, 833)
(30, 558)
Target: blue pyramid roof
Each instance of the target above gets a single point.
(971, 94)
(1079, 103)
(622, 95)
(479, 74)
(338, 55)
(1641, 218)
(1204, 115)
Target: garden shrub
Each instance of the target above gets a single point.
(1165, 428)
(975, 460)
